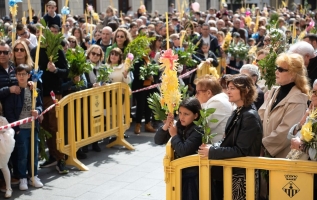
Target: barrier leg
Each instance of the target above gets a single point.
(122, 142)
(72, 160)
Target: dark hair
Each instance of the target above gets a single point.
(247, 89)
(32, 28)
(157, 37)
(118, 51)
(19, 27)
(191, 104)
(23, 67)
(80, 32)
(311, 37)
(55, 26)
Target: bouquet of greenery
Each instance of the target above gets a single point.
(185, 55)
(149, 70)
(239, 51)
(103, 74)
(2, 31)
(203, 124)
(277, 46)
(77, 63)
(309, 132)
(155, 104)
(52, 42)
(139, 47)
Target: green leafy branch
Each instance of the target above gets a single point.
(239, 51)
(52, 42)
(77, 63)
(139, 47)
(185, 54)
(103, 74)
(149, 70)
(43, 134)
(203, 123)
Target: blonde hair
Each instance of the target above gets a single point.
(296, 67)
(94, 46)
(28, 58)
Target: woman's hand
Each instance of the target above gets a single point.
(125, 74)
(295, 143)
(76, 79)
(95, 85)
(204, 150)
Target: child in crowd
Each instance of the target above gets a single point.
(19, 106)
(186, 139)
(6, 148)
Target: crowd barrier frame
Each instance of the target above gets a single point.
(93, 105)
(289, 179)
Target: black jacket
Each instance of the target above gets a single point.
(213, 45)
(14, 104)
(244, 139)
(312, 70)
(50, 20)
(199, 56)
(185, 143)
(7, 79)
(51, 81)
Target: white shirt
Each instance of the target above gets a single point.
(117, 76)
(223, 111)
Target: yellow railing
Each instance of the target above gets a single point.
(289, 179)
(92, 115)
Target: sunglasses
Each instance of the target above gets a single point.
(4, 52)
(95, 54)
(120, 36)
(115, 54)
(266, 40)
(19, 49)
(314, 92)
(280, 69)
(23, 34)
(72, 41)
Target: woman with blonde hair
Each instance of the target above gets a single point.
(21, 54)
(121, 38)
(285, 105)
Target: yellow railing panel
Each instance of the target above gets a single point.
(289, 179)
(88, 124)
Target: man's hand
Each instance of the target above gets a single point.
(34, 113)
(51, 67)
(15, 89)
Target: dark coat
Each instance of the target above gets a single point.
(213, 44)
(199, 56)
(185, 143)
(50, 20)
(14, 105)
(312, 70)
(51, 81)
(244, 139)
(7, 79)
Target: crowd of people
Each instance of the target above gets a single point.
(252, 119)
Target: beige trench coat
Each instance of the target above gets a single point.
(276, 123)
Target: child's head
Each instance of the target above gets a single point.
(205, 47)
(189, 111)
(22, 73)
(51, 7)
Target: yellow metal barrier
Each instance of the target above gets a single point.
(289, 179)
(92, 115)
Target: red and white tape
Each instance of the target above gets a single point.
(235, 69)
(155, 85)
(30, 119)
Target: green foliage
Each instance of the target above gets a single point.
(149, 70)
(43, 134)
(2, 31)
(273, 19)
(155, 105)
(52, 42)
(103, 74)
(239, 51)
(185, 55)
(267, 65)
(77, 63)
(139, 47)
(203, 123)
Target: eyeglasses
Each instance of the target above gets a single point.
(120, 36)
(22, 34)
(4, 52)
(19, 49)
(114, 54)
(314, 92)
(72, 41)
(267, 40)
(280, 69)
(22, 74)
(198, 91)
(95, 54)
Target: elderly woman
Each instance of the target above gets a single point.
(210, 95)
(254, 73)
(243, 136)
(285, 105)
